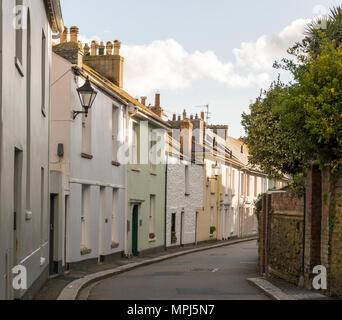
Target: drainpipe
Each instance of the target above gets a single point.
(166, 168)
(126, 206)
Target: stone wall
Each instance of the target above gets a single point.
(281, 236)
(334, 247)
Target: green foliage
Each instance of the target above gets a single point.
(290, 125)
(296, 186)
(271, 146)
(212, 230)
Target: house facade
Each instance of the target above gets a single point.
(146, 184)
(230, 185)
(184, 185)
(88, 185)
(25, 60)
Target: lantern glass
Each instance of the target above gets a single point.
(87, 95)
(217, 171)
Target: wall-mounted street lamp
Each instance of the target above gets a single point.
(216, 171)
(87, 97)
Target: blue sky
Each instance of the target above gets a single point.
(197, 52)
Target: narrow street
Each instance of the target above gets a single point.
(218, 274)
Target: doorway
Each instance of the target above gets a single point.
(52, 264)
(173, 229)
(182, 229)
(135, 227)
(102, 220)
(66, 232)
(17, 183)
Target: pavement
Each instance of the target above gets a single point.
(278, 289)
(84, 275)
(216, 274)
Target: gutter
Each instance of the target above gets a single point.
(54, 12)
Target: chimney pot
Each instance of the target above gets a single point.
(109, 48)
(191, 117)
(86, 49)
(174, 117)
(157, 100)
(184, 114)
(94, 46)
(179, 118)
(196, 117)
(74, 31)
(202, 116)
(64, 37)
(101, 49)
(117, 47)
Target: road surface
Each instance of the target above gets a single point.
(217, 274)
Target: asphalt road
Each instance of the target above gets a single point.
(217, 274)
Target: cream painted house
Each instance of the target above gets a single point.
(25, 60)
(88, 184)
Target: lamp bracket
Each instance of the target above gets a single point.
(76, 113)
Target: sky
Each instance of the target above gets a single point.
(197, 52)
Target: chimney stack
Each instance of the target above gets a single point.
(143, 100)
(74, 31)
(184, 114)
(179, 118)
(203, 116)
(64, 37)
(157, 100)
(174, 117)
(72, 50)
(186, 129)
(196, 117)
(105, 62)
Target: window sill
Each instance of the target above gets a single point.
(87, 156)
(152, 240)
(136, 170)
(187, 194)
(153, 173)
(85, 251)
(116, 164)
(19, 66)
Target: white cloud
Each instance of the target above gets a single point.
(166, 65)
(260, 54)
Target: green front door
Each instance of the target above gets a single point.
(135, 226)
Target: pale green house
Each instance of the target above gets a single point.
(146, 179)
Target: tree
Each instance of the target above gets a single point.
(271, 145)
(313, 107)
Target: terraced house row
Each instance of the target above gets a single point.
(88, 172)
